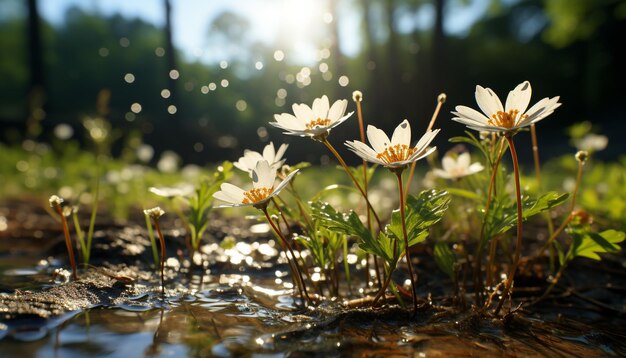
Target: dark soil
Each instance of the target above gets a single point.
(220, 306)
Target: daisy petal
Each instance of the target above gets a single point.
(488, 102)
(263, 175)
(402, 134)
(337, 110)
(269, 153)
(519, 98)
(377, 138)
(320, 107)
(303, 112)
(471, 113)
(363, 150)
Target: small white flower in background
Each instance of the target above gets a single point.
(168, 163)
(154, 213)
(592, 142)
(55, 201)
(274, 157)
(145, 152)
(505, 119)
(456, 168)
(315, 121)
(263, 189)
(182, 190)
(394, 153)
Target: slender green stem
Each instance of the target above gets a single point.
(518, 245)
(440, 100)
(533, 135)
(94, 211)
(381, 292)
(162, 242)
(407, 251)
(80, 236)
(480, 247)
(356, 183)
(153, 244)
(365, 188)
(299, 279)
(570, 216)
(346, 266)
(68, 241)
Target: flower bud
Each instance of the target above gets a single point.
(357, 96)
(442, 97)
(55, 201)
(154, 213)
(582, 156)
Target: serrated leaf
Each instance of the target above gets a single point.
(347, 224)
(421, 212)
(590, 244)
(504, 218)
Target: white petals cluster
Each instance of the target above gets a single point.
(395, 152)
(248, 161)
(263, 188)
(456, 168)
(154, 213)
(55, 201)
(315, 121)
(512, 116)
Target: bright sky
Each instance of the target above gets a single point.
(293, 20)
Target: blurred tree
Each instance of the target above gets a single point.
(170, 56)
(37, 92)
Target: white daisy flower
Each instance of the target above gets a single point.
(263, 189)
(250, 158)
(316, 121)
(457, 168)
(505, 119)
(394, 153)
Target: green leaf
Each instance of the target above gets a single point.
(590, 244)
(465, 194)
(445, 259)
(504, 218)
(350, 224)
(421, 212)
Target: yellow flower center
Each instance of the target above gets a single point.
(506, 119)
(255, 195)
(318, 123)
(396, 153)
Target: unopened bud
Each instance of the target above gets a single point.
(357, 96)
(442, 97)
(582, 156)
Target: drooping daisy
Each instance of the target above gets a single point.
(263, 188)
(456, 168)
(394, 153)
(250, 158)
(315, 121)
(512, 116)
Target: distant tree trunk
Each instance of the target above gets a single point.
(37, 92)
(394, 94)
(438, 60)
(170, 55)
(338, 58)
(372, 62)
